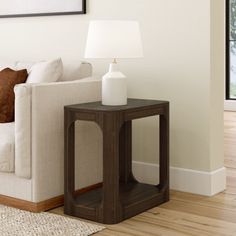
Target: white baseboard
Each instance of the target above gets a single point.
(186, 180)
(230, 105)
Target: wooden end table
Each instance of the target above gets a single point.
(121, 195)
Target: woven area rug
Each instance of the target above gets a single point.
(14, 222)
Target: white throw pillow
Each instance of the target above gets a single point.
(45, 72)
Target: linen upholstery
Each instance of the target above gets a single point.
(8, 64)
(20, 65)
(13, 186)
(76, 71)
(39, 169)
(48, 101)
(45, 72)
(44, 163)
(71, 71)
(23, 130)
(7, 143)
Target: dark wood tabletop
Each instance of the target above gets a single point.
(132, 103)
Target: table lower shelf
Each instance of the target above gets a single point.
(134, 198)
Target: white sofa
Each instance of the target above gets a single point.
(32, 147)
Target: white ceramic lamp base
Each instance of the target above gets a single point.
(114, 87)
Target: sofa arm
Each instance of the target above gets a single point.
(47, 114)
(39, 121)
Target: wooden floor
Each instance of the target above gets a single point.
(188, 214)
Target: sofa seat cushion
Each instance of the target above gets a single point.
(7, 147)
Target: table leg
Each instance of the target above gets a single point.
(125, 153)
(69, 174)
(164, 152)
(111, 207)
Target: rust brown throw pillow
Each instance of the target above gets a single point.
(8, 79)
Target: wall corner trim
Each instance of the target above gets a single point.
(185, 180)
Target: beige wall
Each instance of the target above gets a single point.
(178, 66)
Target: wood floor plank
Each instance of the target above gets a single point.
(201, 210)
(191, 223)
(221, 201)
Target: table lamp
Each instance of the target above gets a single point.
(114, 39)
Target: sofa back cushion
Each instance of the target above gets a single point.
(8, 64)
(8, 79)
(76, 71)
(73, 70)
(45, 71)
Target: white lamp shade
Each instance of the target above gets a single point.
(114, 39)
